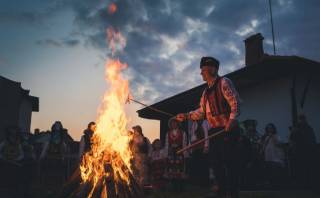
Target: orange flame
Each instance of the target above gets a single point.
(112, 8)
(111, 138)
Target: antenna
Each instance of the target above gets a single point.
(274, 45)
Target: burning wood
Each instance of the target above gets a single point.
(111, 184)
(105, 171)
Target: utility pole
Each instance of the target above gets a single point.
(274, 45)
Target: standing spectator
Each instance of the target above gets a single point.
(29, 164)
(252, 156)
(11, 156)
(308, 137)
(86, 139)
(10, 149)
(252, 134)
(303, 151)
(141, 148)
(157, 165)
(273, 154)
(56, 147)
(176, 139)
(54, 158)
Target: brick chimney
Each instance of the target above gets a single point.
(254, 49)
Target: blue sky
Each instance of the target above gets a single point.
(57, 48)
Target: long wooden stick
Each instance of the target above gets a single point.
(199, 142)
(152, 108)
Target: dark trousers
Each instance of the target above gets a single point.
(198, 168)
(225, 160)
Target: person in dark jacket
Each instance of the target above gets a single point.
(86, 139)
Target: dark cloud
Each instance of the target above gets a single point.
(166, 39)
(49, 42)
(59, 43)
(32, 12)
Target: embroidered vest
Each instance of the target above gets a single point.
(217, 103)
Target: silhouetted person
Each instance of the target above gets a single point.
(252, 154)
(29, 164)
(11, 158)
(157, 165)
(303, 152)
(53, 157)
(176, 139)
(141, 149)
(273, 155)
(10, 149)
(36, 131)
(86, 139)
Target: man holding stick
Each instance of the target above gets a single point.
(219, 104)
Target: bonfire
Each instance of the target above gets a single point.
(105, 171)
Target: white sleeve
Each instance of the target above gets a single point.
(232, 97)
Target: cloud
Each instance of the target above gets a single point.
(59, 43)
(166, 39)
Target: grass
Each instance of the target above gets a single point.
(198, 192)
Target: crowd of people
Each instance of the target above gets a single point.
(263, 157)
(42, 157)
(264, 160)
(237, 155)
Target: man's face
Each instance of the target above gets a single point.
(207, 72)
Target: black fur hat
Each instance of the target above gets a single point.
(209, 61)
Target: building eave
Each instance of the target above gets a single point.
(269, 68)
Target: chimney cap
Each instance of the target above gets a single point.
(257, 36)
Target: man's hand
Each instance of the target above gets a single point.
(230, 125)
(181, 117)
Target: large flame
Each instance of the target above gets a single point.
(111, 138)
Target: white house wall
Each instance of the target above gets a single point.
(270, 102)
